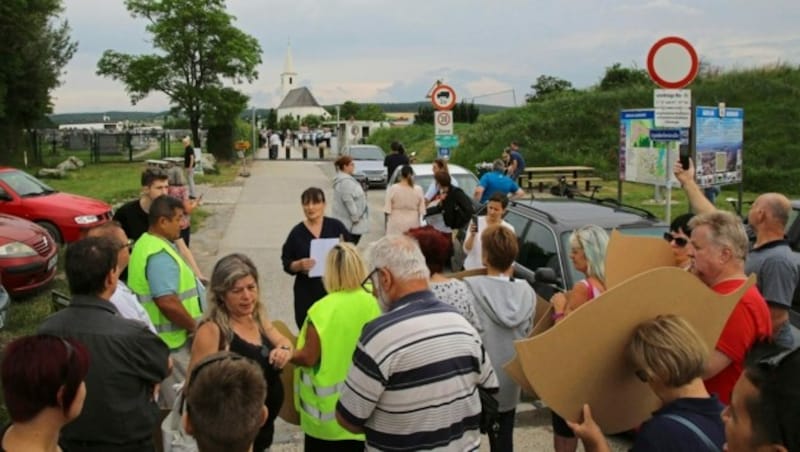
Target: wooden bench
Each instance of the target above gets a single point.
(540, 182)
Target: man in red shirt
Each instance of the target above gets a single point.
(718, 248)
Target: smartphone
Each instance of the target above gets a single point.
(684, 156)
(475, 221)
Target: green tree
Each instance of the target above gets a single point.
(349, 109)
(34, 49)
(199, 49)
(288, 122)
(272, 119)
(617, 76)
(424, 115)
(371, 112)
(548, 86)
(466, 112)
(312, 121)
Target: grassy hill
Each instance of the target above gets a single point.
(583, 127)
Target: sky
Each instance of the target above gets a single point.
(394, 51)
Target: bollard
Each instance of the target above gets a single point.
(305, 152)
(321, 153)
(288, 151)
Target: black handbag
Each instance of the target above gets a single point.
(489, 412)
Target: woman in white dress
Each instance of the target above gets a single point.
(405, 203)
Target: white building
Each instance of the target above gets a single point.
(297, 101)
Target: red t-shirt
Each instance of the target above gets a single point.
(749, 322)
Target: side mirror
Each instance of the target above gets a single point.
(5, 197)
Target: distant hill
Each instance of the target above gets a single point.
(134, 116)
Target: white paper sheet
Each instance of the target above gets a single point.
(319, 252)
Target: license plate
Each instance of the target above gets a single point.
(52, 262)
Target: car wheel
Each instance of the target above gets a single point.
(52, 230)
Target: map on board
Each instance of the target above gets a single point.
(640, 158)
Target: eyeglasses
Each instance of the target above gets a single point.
(641, 375)
(366, 284)
(680, 241)
(128, 244)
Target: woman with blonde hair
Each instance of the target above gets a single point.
(588, 254)
(405, 203)
(668, 355)
(237, 321)
(333, 324)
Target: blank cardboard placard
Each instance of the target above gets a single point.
(629, 255)
(582, 358)
(288, 412)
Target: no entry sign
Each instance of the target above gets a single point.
(672, 62)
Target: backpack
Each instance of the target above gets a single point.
(457, 209)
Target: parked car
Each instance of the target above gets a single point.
(369, 162)
(543, 228)
(63, 215)
(423, 176)
(28, 255)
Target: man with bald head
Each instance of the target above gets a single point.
(771, 258)
(773, 261)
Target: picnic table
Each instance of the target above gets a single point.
(537, 177)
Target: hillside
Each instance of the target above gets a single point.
(583, 127)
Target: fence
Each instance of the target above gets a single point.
(50, 146)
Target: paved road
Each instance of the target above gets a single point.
(255, 215)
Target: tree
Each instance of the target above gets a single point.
(272, 119)
(371, 112)
(617, 76)
(349, 109)
(466, 112)
(548, 86)
(424, 115)
(199, 49)
(288, 123)
(312, 121)
(34, 49)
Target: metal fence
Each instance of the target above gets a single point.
(51, 146)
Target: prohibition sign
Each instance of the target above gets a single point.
(672, 62)
(443, 97)
(443, 118)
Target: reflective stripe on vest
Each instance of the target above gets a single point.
(320, 392)
(147, 246)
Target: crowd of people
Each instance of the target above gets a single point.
(393, 352)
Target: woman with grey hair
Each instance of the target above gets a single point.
(237, 321)
(588, 254)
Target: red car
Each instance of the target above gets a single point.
(28, 255)
(63, 215)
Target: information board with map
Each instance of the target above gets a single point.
(719, 146)
(642, 159)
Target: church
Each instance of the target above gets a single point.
(297, 100)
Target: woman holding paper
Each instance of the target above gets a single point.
(588, 254)
(495, 211)
(296, 253)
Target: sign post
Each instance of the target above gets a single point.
(443, 98)
(672, 64)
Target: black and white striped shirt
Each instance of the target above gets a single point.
(413, 383)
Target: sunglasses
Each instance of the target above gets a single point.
(680, 241)
(366, 284)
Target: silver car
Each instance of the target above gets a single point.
(369, 163)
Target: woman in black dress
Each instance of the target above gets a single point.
(237, 321)
(297, 249)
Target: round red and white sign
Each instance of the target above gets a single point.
(443, 118)
(672, 62)
(443, 97)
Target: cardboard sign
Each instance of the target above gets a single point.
(582, 358)
(288, 411)
(630, 255)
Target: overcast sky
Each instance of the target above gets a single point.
(394, 50)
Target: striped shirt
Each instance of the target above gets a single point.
(415, 376)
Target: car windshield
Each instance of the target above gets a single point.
(366, 153)
(24, 184)
(575, 275)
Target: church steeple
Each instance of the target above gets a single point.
(289, 76)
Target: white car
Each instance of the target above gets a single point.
(369, 162)
(423, 176)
